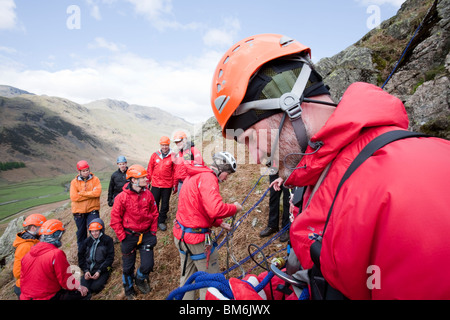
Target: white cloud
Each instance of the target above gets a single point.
(100, 42)
(224, 36)
(8, 50)
(153, 9)
(181, 88)
(8, 18)
(160, 14)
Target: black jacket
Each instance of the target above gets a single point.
(118, 180)
(99, 258)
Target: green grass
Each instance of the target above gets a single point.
(16, 197)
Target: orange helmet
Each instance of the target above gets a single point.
(95, 226)
(136, 171)
(51, 226)
(164, 140)
(237, 66)
(179, 135)
(81, 165)
(35, 219)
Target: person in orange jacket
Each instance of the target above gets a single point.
(46, 272)
(134, 218)
(23, 243)
(187, 154)
(85, 191)
(160, 174)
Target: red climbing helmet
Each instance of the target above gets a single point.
(82, 164)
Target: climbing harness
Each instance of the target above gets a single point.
(210, 245)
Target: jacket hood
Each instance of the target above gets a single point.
(362, 106)
(41, 248)
(192, 170)
(21, 239)
(99, 221)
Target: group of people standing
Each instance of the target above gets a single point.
(139, 200)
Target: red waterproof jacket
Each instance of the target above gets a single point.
(45, 271)
(183, 158)
(388, 236)
(160, 171)
(134, 211)
(200, 204)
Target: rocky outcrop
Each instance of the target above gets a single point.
(421, 77)
(351, 65)
(7, 239)
(422, 81)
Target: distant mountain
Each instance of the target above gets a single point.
(10, 92)
(50, 134)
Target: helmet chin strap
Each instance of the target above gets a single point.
(290, 103)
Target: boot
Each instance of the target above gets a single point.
(143, 285)
(130, 293)
(142, 282)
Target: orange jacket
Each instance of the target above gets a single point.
(85, 194)
(22, 246)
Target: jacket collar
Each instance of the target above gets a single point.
(80, 178)
(161, 155)
(362, 106)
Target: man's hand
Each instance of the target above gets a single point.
(277, 184)
(83, 290)
(226, 226)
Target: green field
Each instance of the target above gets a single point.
(16, 197)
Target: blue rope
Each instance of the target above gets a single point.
(248, 194)
(200, 280)
(236, 225)
(406, 49)
(262, 247)
(264, 282)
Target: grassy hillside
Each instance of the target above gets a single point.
(16, 197)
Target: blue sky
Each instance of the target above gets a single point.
(159, 52)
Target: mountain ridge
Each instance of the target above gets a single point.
(36, 128)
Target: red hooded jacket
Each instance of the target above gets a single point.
(388, 236)
(135, 211)
(160, 171)
(183, 158)
(45, 271)
(200, 204)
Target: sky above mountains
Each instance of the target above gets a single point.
(160, 52)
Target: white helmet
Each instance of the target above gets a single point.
(224, 161)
